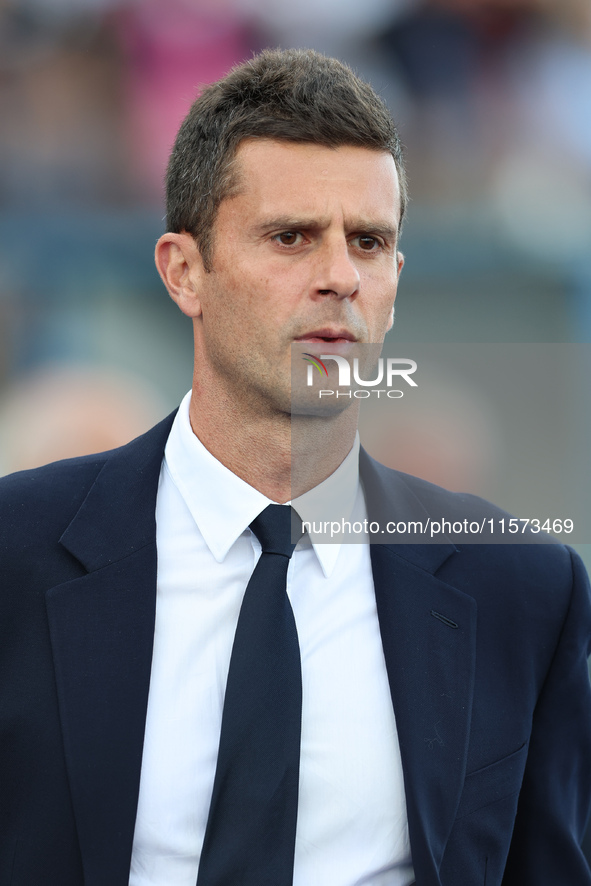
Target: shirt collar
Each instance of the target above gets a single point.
(223, 505)
(331, 502)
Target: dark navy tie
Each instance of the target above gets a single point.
(250, 833)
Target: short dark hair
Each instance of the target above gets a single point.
(290, 95)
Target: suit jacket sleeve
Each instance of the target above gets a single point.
(554, 800)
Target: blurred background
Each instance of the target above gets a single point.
(493, 102)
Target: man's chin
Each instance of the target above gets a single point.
(317, 406)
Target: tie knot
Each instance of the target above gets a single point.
(275, 527)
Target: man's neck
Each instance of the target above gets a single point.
(281, 456)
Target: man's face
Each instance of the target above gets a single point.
(305, 252)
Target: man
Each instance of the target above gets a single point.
(408, 713)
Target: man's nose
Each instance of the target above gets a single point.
(336, 273)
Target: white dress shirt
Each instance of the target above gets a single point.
(352, 824)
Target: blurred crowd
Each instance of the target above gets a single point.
(92, 91)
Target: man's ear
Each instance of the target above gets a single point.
(179, 264)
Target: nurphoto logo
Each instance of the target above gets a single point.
(388, 372)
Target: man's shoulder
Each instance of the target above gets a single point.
(55, 491)
(437, 501)
(482, 552)
(467, 517)
(60, 485)
(36, 506)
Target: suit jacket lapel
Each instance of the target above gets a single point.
(102, 628)
(428, 632)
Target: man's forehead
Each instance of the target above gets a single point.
(251, 151)
(294, 178)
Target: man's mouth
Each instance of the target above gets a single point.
(327, 336)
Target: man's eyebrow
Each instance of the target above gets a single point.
(382, 229)
(290, 223)
(359, 225)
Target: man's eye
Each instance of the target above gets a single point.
(288, 238)
(367, 243)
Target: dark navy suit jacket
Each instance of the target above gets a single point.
(485, 648)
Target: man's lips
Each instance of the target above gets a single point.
(327, 336)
